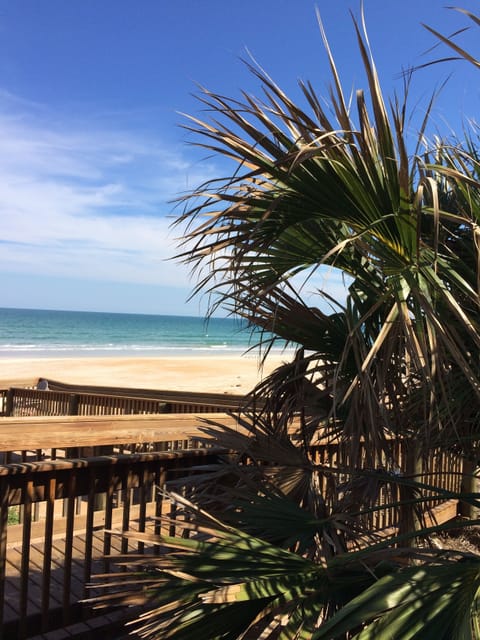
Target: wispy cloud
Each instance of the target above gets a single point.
(91, 203)
(82, 201)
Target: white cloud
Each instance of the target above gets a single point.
(93, 204)
(88, 203)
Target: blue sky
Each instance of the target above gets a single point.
(91, 148)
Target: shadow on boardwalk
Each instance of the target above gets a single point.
(82, 621)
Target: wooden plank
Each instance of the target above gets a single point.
(127, 495)
(26, 603)
(107, 536)
(25, 557)
(89, 529)
(3, 542)
(443, 512)
(47, 560)
(156, 394)
(58, 573)
(49, 432)
(142, 498)
(12, 586)
(68, 548)
(10, 613)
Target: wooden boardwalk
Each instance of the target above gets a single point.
(64, 506)
(73, 587)
(47, 560)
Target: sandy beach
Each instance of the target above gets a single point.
(219, 373)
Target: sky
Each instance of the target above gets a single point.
(92, 151)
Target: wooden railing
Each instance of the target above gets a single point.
(219, 400)
(37, 438)
(61, 399)
(64, 509)
(443, 469)
(45, 565)
(54, 512)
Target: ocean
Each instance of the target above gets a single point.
(42, 333)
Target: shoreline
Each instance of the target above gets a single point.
(217, 373)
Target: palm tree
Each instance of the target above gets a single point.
(310, 192)
(348, 194)
(300, 549)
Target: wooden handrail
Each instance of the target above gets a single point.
(189, 397)
(76, 400)
(43, 432)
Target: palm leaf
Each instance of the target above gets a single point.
(433, 601)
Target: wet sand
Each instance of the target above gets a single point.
(219, 373)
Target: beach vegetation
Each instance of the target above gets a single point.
(13, 515)
(278, 543)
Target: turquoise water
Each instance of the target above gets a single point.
(41, 333)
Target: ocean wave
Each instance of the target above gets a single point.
(119, 347)
(137, 349)
(40, 333)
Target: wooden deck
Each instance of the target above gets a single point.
(47, 564)
(77, 590)
(68, 507)
(27, 622)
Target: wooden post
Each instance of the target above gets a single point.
(9, 403)
(470, 484)
(409, 522)
(73, 405)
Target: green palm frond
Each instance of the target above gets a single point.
(432, 601)
(219, 587)
(223, 582)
